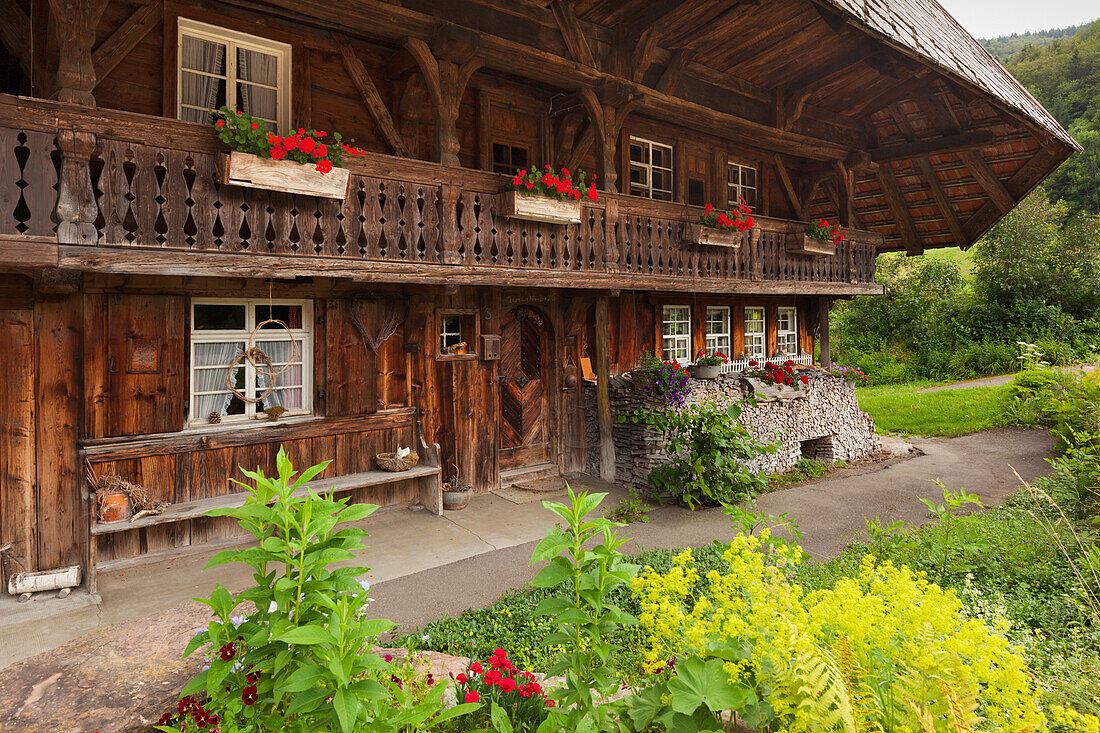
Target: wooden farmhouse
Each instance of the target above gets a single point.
(417, 305)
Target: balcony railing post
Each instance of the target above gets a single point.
(448, 199)
(611, 246)
(76, 205)
(756, 261)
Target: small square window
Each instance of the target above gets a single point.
(508, 158)
(458, 334)
(741, 185)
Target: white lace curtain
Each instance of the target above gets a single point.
(213, 380)
(262, 68)
(289, 391)
(201, 90)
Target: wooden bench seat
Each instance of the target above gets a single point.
(194, 509)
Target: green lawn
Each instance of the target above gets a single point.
(901, 410)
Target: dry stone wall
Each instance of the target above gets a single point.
(822, 420)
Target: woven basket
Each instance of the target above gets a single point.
(390, 462)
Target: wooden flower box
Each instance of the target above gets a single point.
(800, 243)
(540, 208)
(244, 169)
(699, 234)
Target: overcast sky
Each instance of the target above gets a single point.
(991, 18)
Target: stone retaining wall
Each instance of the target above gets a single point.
(822, 421)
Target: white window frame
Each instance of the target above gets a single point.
(304, 334)
(673, 344)
(234, 40)
(646, 188)
(713, 338)
(787, 339)
(734, 191)
(444, 333)
(754, 338)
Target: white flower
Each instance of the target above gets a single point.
(273, 607)
(238, 620)
(424, 637)
(365, 583)
(199, 630)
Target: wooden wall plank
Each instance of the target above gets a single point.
(59, 391)
(18, 437)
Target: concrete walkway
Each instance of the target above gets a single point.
(1000, 380)
(128, 669)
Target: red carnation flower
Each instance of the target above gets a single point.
(249, 696)
(476, 668)
(388, 657)
(462, 678)
(472, 696)
(508, 684)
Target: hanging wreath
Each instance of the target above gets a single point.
(252, 355)
(295, 352)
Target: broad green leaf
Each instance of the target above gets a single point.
(553, 574)
(347, 709)
(646, 705)
(306, 635)
(706, 683)
(551, 545)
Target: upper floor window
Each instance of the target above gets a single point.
(676, 333)
(509, 158)
(282, 377)
(650, 169)
(788, 331)
(718, 329)
(754, 333)
(741, 184)
(246, 73)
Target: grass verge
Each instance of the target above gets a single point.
(900, 409)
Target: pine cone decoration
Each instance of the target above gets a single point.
(215, 418)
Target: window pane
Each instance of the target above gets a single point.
(639, 176)
(662, 157)
(291, 315)
(638, 153)
(202, 55)
(258, 67)
(519, 157)
(258, 102)
(748, 177)
(219, 317)
(202, 92)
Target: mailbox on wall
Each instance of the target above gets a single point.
(490, 346)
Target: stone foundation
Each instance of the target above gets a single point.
(822, 421)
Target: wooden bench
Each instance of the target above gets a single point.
(428, 476)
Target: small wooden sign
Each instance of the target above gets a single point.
(800, 243)
(540, 208)
(250, 171)
(698, 234)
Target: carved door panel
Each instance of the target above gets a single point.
(522, 381)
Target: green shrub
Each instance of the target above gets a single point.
(1055, 352)
(984, 359)
(882, 368)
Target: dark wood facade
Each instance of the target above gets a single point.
(113, 222)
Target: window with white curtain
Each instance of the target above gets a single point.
(676, 334)
(754, 333)
(718, 329)
(246, 73)
(788, 331)
(220, 331)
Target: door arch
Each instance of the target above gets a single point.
(523, 383)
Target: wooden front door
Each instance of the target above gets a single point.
(523, 384)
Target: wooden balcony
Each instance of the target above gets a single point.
(139, 194)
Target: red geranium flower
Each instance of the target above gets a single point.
(255, 126)
(278, 153)
(804, 380)
(307, 145)
(249, 696)
(324, 166)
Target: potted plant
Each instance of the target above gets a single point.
(456, 493)
(773, 381)
(708, 364)
(548, 196)
(720, 228)
(818, 239)
(305, 162)
(666, 379)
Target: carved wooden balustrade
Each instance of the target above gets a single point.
(118, 180)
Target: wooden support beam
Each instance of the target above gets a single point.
(572, 33)
(825, 353)
(946, 144)
(900, 211)
(606, 114)
(118, 46)
(674, 70)
(446, 80)
(75, 23)
(603, 391)
(845, 190)
(368, 92)
(650, 15)
(644, 52)
(15, 34)
(988, 180)
(1022, 182)
(788, 187)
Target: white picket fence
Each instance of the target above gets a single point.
(740, 365)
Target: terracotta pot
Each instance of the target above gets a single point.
(114, 506)
(455, 500)
(699, 371)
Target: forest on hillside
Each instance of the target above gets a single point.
(1005, 47)
(1064, 76)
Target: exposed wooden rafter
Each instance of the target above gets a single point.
(571, 32)
(118, 46)
(940, 145)
(788, 187)
(674, 70)
(988, 180)
(368, 92)
(900, 211)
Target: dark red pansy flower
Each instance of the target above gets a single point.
(249, 696)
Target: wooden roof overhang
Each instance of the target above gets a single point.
(883, 109)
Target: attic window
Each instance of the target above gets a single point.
(509, 158)
(650, 169)
(741, 184)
